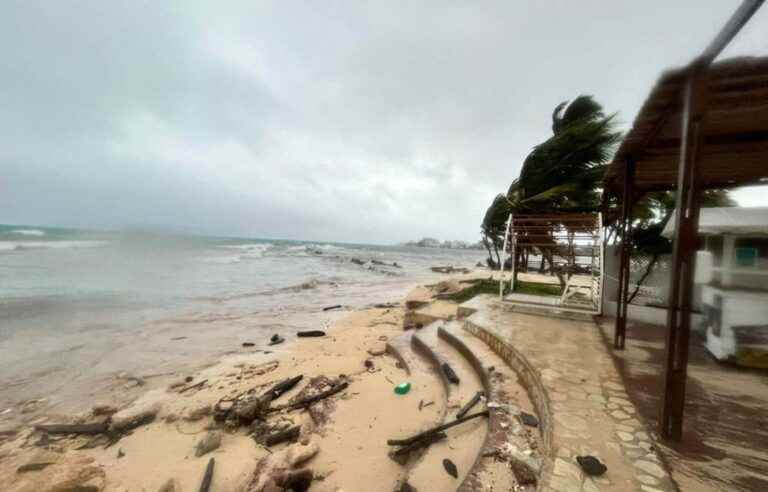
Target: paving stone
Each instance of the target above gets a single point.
(625, 436)
(571, 422)
(611, 406)
(597, 399)
(632, 422)
(620, 401)
(563, 484)
(564, 452)
(618, 414)
(642, 436)
(568, 470)
(623, 427)
(650, 468)
(614, 386)
(647, 480)
(589, 486)
(646, 488)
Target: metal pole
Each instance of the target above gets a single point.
(504, 258)
(620, 330)
(683, 257)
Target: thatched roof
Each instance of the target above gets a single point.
(735, 127)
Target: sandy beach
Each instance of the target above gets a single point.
(343, 438)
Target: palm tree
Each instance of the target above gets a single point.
(493, 227)
(564, 173)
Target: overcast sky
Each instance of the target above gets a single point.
(351, 121)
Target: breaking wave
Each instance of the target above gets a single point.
(28, 232)
(27, 245)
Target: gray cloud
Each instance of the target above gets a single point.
(356, 121)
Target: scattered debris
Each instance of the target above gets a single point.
(249, 344)
(120, 453)
(279, 470)
(205, 485)
(450, 467)
(310, 333)
(276, 339)
(406, 487)
(368, 363)
(471, 403)
(290, 434)
(209, 442)
(591, 465)
(403, 388)
(330, 308)
(402, 455)
(194, 386)
(450, 374)
(439, 428)
(529, 419)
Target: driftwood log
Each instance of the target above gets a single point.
(289, 434)
(471, 403)
(439, 428)
(205, 485)
(401, 455)
(89, 429)
(305, 402)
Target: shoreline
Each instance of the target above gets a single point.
(152, 454)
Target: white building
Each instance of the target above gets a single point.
(733, 272)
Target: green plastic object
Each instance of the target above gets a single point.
(403, 388)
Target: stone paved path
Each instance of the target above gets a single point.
(589, 409)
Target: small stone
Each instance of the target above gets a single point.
(450, 467)
(591, 465)
(199, 412)
(528, 419)
(103, 409)
(368, 363)
(646, 488)
(120, 453)
(210, 442)
(378, 349)
(619, 401)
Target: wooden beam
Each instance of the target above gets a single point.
(683, 259)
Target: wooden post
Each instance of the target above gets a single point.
(620, 329)
(683, 256)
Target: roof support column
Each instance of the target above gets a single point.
(625, 229)
(683, 257)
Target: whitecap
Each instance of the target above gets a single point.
(28, 232)
(26, 245)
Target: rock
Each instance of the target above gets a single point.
(275, 469)
(276, 339)
(450, 467)
(196, 413)
(171, 485)
(528, 419)
(368, 363)
(141, 412)
(591, 465)
(71, 474)
(406, 487)
(120, 453)
(209, 442)
(103, 409)
(417, 298)
(378, 349)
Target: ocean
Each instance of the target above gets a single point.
(80, 309)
